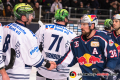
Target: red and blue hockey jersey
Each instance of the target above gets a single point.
(116, 40)
(98, 52)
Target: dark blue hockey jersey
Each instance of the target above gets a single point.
(116, 40)
(108, 33)
(98, 52)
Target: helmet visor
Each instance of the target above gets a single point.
(31, 15)
(83, 23)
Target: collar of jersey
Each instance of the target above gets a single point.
(19, 23)
(88, 39)
(59, 24)
(115, 34)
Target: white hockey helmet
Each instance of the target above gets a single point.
(85, 19)
(93, 19)
(116, 16)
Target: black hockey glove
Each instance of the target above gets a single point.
(46, 63)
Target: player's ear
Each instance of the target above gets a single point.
(92, 26)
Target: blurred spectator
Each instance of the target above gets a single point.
(115, 2)
(94, 6)
(118, 9)
(8, 11)
(36, 9)
(60, 1)
(1, 8)
(85, 2)
(20, 1)
(39, 1)
(66, 3)
(47, 4)
(75, 3)
(13, 2)
(105, 4)
(56, 5)
(87, 10)
(8, 3)
(81, 8)
(30, 3)
(114, 9)
(46, 8)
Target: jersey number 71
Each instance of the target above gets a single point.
(54, 41)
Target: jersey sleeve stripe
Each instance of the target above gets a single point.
(19, 78)
(18, 74)
(100, 37)
(39, 63)
(65, 57)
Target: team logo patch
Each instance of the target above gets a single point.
(33, 52)
(94, 44)
(111, 43)
(76, 44)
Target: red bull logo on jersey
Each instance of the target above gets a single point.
(88, 60)
(118, 47)
(111, 43)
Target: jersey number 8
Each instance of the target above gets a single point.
(13, 54)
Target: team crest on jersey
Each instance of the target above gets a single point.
(95, 44)
(76, 44)
(111, 43)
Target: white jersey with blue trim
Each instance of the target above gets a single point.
(1, 47)
(20, 51)
(55, 40)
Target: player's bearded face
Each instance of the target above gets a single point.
(85, 29)
(116, 24)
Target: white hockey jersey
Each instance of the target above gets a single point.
(1, 47)
(56, 39)
(20, 51)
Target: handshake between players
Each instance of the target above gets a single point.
(53, 65)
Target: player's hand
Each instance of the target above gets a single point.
(52, 65)
(5, 77)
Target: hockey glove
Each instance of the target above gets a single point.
(46, 63)
(112, 75)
